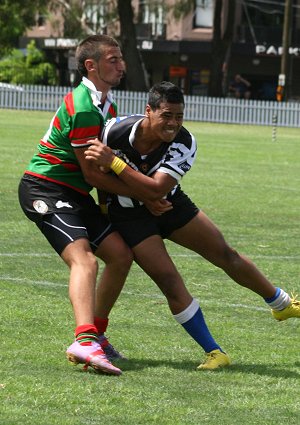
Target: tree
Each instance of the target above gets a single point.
(135, 71)
(15, 17)
(17, 68)
(83, 18)
(221, 46)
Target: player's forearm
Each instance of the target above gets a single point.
(145, 187)
(110, 183)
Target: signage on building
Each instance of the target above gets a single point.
(178, 71)
(62, 43)
(261, 49)
(147, 45)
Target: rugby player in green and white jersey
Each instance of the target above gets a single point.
(54, 193)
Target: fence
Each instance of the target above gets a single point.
(198, 108)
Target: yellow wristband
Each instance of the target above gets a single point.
(117, 165)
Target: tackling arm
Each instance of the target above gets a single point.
(102, 180)
(145, 188)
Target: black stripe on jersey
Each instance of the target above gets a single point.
(118, 139)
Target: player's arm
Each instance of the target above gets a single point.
(146, 188)
(102, 180)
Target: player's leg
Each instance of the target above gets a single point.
(117, 257)
(83, 271)
(67, 234)
(153, 258)
(202, 236)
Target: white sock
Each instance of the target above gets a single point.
(280, 301)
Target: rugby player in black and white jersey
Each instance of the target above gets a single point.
(151, 153)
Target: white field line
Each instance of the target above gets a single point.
(134, 294)
(194, 255)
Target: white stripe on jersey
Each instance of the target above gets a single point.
(176, 161)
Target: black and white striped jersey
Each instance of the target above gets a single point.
(175, 158)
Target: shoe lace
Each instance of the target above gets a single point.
(294, 299)
(107, 346)
(210, 356)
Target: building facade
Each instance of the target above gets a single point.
(180, 49)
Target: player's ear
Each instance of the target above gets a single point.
(148, 110)
(89, 64)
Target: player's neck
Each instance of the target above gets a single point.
(144, 142)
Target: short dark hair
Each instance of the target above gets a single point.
(164, 92)
(91, 48)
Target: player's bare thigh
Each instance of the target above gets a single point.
(201, 235)
(113, 249)
(153, 258)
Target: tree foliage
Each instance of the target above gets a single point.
(31, 68)
(181, 8)
(82, 19)
(15, 17)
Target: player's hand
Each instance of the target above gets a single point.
(101, 154)
(158, 207)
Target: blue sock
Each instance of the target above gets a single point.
(270, 300)
(193, 322)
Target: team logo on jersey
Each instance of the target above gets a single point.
(40, 206)
(144, 167)
(184, 166)
(62, 204)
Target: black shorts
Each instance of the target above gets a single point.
(137, 224)
(63, 215)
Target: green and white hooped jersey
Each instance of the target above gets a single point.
(78, 120)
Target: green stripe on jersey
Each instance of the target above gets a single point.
(75, 123)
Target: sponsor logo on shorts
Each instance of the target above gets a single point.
(40, 206)
(62, 204)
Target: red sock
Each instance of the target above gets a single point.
(86, 334)
(101, 325)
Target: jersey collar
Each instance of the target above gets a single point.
(95, 94)
(133, 130)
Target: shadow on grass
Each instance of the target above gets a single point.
(285, 371)
(275, 371)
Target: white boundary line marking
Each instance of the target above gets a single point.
(135, 294)
(194, 255)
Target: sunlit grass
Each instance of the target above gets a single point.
(250, 187)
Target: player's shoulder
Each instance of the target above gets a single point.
(186, 138)
(127, 120)
(78, 100)
(119, 128)
(121, 124)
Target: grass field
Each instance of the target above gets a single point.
(250, 187)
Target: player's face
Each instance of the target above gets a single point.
(166, 121)
(110, 67)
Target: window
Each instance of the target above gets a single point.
(153, 14)
(204, 14)
(96, 13)
(41, 21)
(265, 15)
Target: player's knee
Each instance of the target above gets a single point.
(122, 258)
(86, 261)
(125, 258)
(229, 259)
